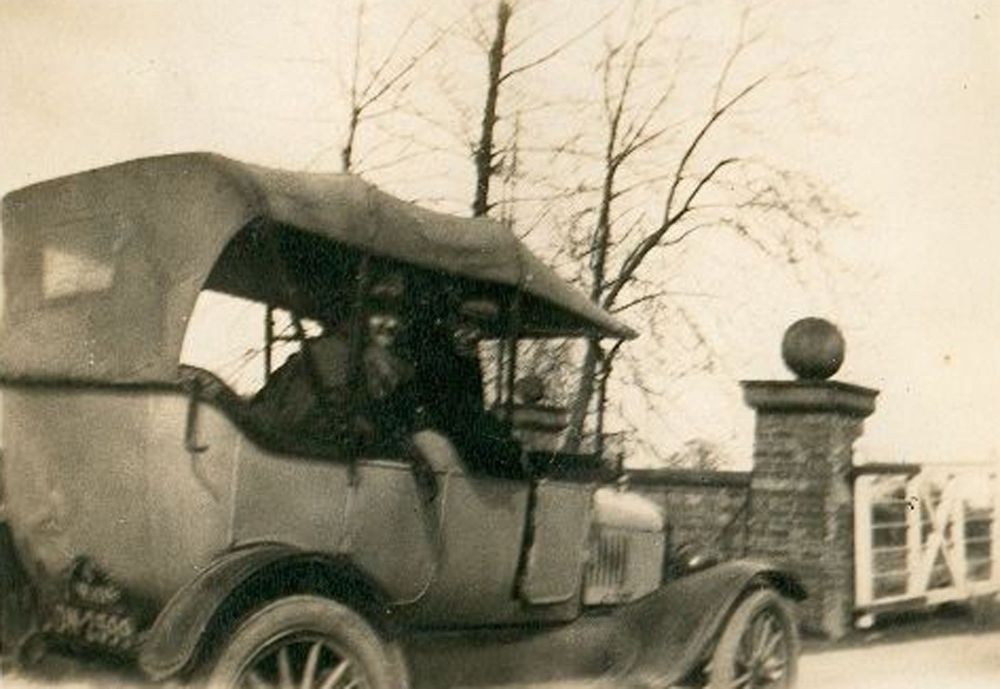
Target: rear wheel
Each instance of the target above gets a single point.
(307, 642)
(759, 647)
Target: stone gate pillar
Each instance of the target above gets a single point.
(801, 501)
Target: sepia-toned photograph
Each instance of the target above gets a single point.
(528, 344)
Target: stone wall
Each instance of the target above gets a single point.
(708, 508)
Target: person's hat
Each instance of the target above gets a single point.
(388, 287)
(386, 293)
(479, 310)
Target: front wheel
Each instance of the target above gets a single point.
(306, 642)
(759, 647)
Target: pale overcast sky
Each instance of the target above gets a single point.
(906, 134)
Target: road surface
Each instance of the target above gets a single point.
(965, 659)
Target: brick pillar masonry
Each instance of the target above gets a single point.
(801, 511)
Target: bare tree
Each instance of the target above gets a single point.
(378, 81)
(652, 167)
(392, 74)
(483, 155)
(499, 73)
(700, 190)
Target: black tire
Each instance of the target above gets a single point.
(759, 648)
(307, 635)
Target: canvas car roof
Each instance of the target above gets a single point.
(102, 268)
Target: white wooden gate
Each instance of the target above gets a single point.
(926, 538)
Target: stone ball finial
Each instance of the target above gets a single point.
(813, 348)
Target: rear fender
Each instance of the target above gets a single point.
(240, 581)
(676, 627)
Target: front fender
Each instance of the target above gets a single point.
(675, 628)
(262, 571)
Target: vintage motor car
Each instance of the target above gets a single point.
(174, 515)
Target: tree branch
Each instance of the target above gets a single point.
(389, 56)
(698, 187)
(638, 300)
(639, 253)
(555, 51)
(699, 137)
(389, 83)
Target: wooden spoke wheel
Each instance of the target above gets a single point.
(306, 642)
(759, 647)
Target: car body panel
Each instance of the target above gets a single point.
(104, 473)
(286, 499)
(419, 551)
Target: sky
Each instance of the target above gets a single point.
(902, 127)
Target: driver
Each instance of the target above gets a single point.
(450, 384)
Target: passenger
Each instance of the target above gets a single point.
(389, 402)
(291, 401)
(311, 393)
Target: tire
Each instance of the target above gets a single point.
(286, 639)
(759, 647)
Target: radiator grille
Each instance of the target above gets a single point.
(607, 571)
(624, 565)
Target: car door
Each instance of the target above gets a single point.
(458, 532)
(556, 552)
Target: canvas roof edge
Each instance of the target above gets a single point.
(347, 209)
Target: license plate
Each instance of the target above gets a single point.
(106, 629)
